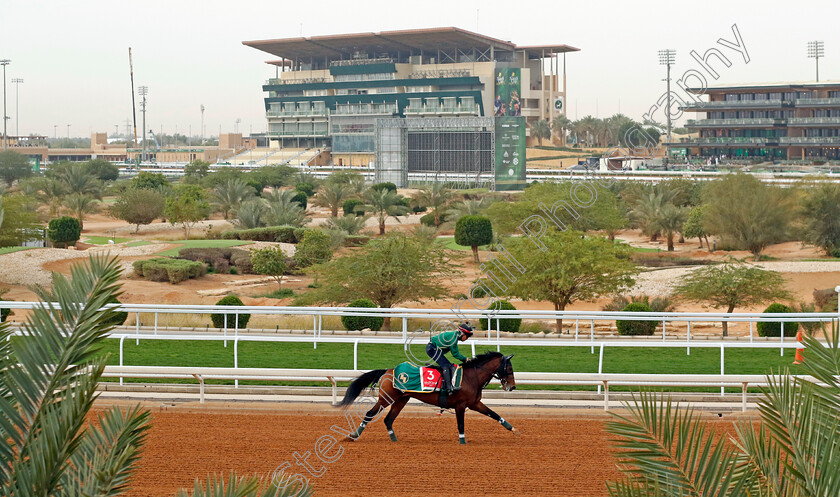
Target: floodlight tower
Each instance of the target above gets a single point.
(666, 58)
(4, 63)
(17, 82)
(143, 91)
(815, 51)
(202, 124)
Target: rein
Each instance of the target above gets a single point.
(501, 371)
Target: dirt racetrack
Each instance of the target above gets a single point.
(565, 455)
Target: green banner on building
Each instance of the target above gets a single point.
(508, 91)
(510, 153)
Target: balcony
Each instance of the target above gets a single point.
(754, 141)
(465, 108)
(818, 102)
(366, 109)
(304, 133)
(287, 81)
(729, 123)
(810, 140)
(312, 112)
(734, 104)
(814, 121)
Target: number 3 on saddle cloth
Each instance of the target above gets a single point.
(409, 377)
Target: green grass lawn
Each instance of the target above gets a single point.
(9, 250)
(138, 243)
(182, 244)
(639, 360)
(103, 240)
(451, 245)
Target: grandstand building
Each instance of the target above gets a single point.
(783, 121)
(329, 91)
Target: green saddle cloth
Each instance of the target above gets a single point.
(409, 377)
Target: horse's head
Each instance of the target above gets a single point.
(505, 373)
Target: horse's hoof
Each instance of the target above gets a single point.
(516, 432)
(349, 439)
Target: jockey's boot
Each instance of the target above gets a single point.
(453, 387)
(446, 381)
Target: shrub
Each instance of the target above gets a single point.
(636, 327)
(284, 234)
(428, 219)
(657, 304)
(473, 231)
(505, 324)
(384, 186)
(418, 208)
(772, 329)
(826, 300)
(5, 311)
(298, 234)
(349, 207)
(361, 322)
(171, 270)
(314, 248)
(228, 320)
(64, 231)
(307, 188)
(219, 260)
(119, 317)
(300, 197)
(355, 240)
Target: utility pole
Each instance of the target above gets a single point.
(143, 91)
(68, 131)
(4, 63)
(55, 131)
(666, 58)
(17, 82)
(815, 51)
(202, 124)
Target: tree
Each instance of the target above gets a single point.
(229, 196)
(19, 219)
(731, 285)
(354, 181)
(139, 206)
(78, 179)
(559, 125)
(64, 231)
(102, 169)
(540, 130)
(283, 209)
(390, 270)
(793, 449)
(50, 192)
(250, 214)
(671, 219)
(435, 197)
(14, 167)
(747, 213)
(467, 208)
(332, 195)
(196, 170)
(821, 217)
(383, 203)
(270, 261)
(572, 268)
(472, 231)
(187, 205)
(50, 444)
(81, 204)
(149, 180)
(314, 248)
(693, 226)
(351, 225)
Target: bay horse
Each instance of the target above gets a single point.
(477, 373)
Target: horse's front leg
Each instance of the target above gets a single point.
(459, 415)
(483, 409)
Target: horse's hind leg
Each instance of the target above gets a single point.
(392, 415)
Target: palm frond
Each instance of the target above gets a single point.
(248, 486)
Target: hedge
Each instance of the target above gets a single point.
(505, 324)
(119, 317)
(353, 323)
(228, 320)
(349, 207)
(772, 329)
(636, 327)
(285, 234)
(221, 260)
(171, 270)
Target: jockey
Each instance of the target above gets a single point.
(445, 342)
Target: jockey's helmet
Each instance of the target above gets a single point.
(466, 329)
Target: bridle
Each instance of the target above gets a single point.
(501, 372)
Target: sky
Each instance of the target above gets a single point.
(73, 55)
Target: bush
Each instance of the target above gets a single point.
(307, 188)
(284, 234)
(384, 186)
(428, 219)
(298, 234)
(64, 231)
(228, 320)
(349, 207)
(314, 248)
(772, 329)
(119, 317)
(505, 324)
(636, 327)
(171, 270)
(300, 197)
(826, 300)
(356, 240)
(4, 312)
(657, 304)
(418, 208)
(219, 260)
(361, 322)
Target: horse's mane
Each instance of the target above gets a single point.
(481, 359)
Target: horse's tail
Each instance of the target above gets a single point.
(360, 384)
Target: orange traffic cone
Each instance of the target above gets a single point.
(799, 348)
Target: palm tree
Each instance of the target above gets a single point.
(283, 210)
(78, 179)
(49, 191)
(559, 125)
(332, 195)
(81, 204)
(250, 214)
(230, 195)
(351, 225)
(383, 203)
(467, 208)
(49, 381)
(281, 485)
(435, 197)
(794, 449)
(671, 220)
(540, 129)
